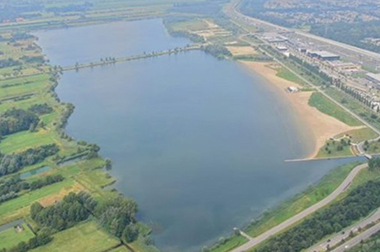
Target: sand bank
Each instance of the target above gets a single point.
(321, 126)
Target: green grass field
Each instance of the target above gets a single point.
(11, 237)
(325, 105)
(84, 237)
(287, 75)
(302, 201)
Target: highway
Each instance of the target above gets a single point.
(300, 216)
(344, 234)
(357, 239)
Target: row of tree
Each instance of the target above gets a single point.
(359, 203)
(41, 109)
(15, 162)
(33, 243)
(10, 188)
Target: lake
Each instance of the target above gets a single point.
(199, 143)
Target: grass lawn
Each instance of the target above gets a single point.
(84, 237)
(121, 249)
(302, 201)
(232, 243)
(335, 149)
(287, 75)
(10, 237)
(325, 105)
(359, 135)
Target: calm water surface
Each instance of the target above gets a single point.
(199, 143)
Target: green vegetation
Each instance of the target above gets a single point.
(333, 148)
(12, 236)
(370, 245)
(325, 105)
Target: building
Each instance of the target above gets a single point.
(282, 48)
(323, 55)
(344, 66)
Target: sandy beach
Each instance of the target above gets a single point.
(322, 126)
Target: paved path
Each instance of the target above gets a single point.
(300, 216)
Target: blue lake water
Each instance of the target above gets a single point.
(199, 143)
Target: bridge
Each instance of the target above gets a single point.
(111, 61)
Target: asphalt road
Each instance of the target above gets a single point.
(300, 216)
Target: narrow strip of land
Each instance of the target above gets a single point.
(300, 216)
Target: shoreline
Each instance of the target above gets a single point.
(321, 126)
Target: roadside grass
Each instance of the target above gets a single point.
(302, 201)
(335, 149)
(84, 237)
(230, 244)
(326, 106)
(355, 106)
(19, 207)
(288, 75)
(10, 237)
(359, 135)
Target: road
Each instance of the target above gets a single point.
(333, 241)
(357, 239)
(300, 216)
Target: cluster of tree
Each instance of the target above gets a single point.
(9, 63)
(33, 243)
(11, 11)
(359, 203)
(374, 164)
(350, 33)
(311, 69)
(217, 50)
(118, 217)
(41, 109)
(33, 59)
(15, 162)
(16, 120)
(72, 209)
(370, 245)
(21, 36)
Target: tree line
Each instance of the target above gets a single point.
(13, 163)
(10, 188)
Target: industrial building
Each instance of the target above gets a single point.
(323, 55)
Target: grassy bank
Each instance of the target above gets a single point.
(325, 105)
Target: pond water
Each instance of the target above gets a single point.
(199, 143)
